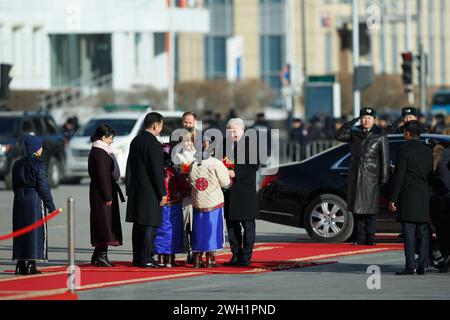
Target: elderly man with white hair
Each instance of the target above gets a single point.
(241, 202)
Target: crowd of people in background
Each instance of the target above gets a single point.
(324, 127)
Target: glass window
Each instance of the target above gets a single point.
(272, 59)
(52, 128)
(272, 43)
(122, 127)
(215, 57)
(160, 43)
(441, 99)
(27, 126)
(38, 126)
(8, 125)
(221, 27)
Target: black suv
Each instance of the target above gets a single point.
(14, 126)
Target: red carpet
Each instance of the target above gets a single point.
(267, 257)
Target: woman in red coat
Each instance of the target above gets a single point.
(104, 171)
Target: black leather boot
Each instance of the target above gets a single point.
(198, 261)
(166, 261)
(21, 268)
(94, 257)
(210, 260)
(31, 267)
(106, 255)
(102, 259)
(172, 261)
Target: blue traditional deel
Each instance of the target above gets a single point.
(207, 233)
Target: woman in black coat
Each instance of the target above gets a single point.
(104, 171)
(31, 197)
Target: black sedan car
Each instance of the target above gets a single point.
(14, 127)
(312, 194)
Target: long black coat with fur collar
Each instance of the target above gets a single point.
(369, 166)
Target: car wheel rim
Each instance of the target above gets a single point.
(327, 219)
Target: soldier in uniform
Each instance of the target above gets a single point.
(368, 170)
(408, 114)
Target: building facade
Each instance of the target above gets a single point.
(51, 43)
(271, 32)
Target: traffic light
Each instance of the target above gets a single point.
(407, 67)
(5, 80)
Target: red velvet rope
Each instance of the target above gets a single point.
(31, 226)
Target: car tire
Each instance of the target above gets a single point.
(54, 173)
(326, 219)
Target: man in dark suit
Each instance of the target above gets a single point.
(241, 201)
(145, 189)
(410, 196)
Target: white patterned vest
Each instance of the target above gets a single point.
(206, 181)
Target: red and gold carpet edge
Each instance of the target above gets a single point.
(267, 257)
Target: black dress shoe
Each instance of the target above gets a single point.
(244, 261)
(405, 272)
(21, 268)
(149, 264)
(32, 268)
(234, 259)
(422, 271)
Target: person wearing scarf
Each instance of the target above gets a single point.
(106, 229)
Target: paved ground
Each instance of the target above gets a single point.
(345, 280)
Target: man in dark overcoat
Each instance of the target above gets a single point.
(145, 189)
(410, 195)
(241, 201)
(368, 170)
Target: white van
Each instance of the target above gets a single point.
(126, 125)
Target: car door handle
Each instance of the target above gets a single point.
(344, 174)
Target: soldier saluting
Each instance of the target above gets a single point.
(368, 170)
(408, 114)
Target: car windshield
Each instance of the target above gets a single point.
(441, 99)
(122, 127)
(8, 125)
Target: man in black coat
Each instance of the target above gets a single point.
(368, 170)
(241, 201)
(410, 196)
(145, 189)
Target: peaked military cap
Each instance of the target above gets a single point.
(368, 112)
(409, 111)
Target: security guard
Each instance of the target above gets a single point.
(368, 170)
(408, 114)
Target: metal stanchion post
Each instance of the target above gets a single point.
(71, 243)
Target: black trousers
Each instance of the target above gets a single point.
(366, 226)
(412, 232)
(143, 241)
(242, 243)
